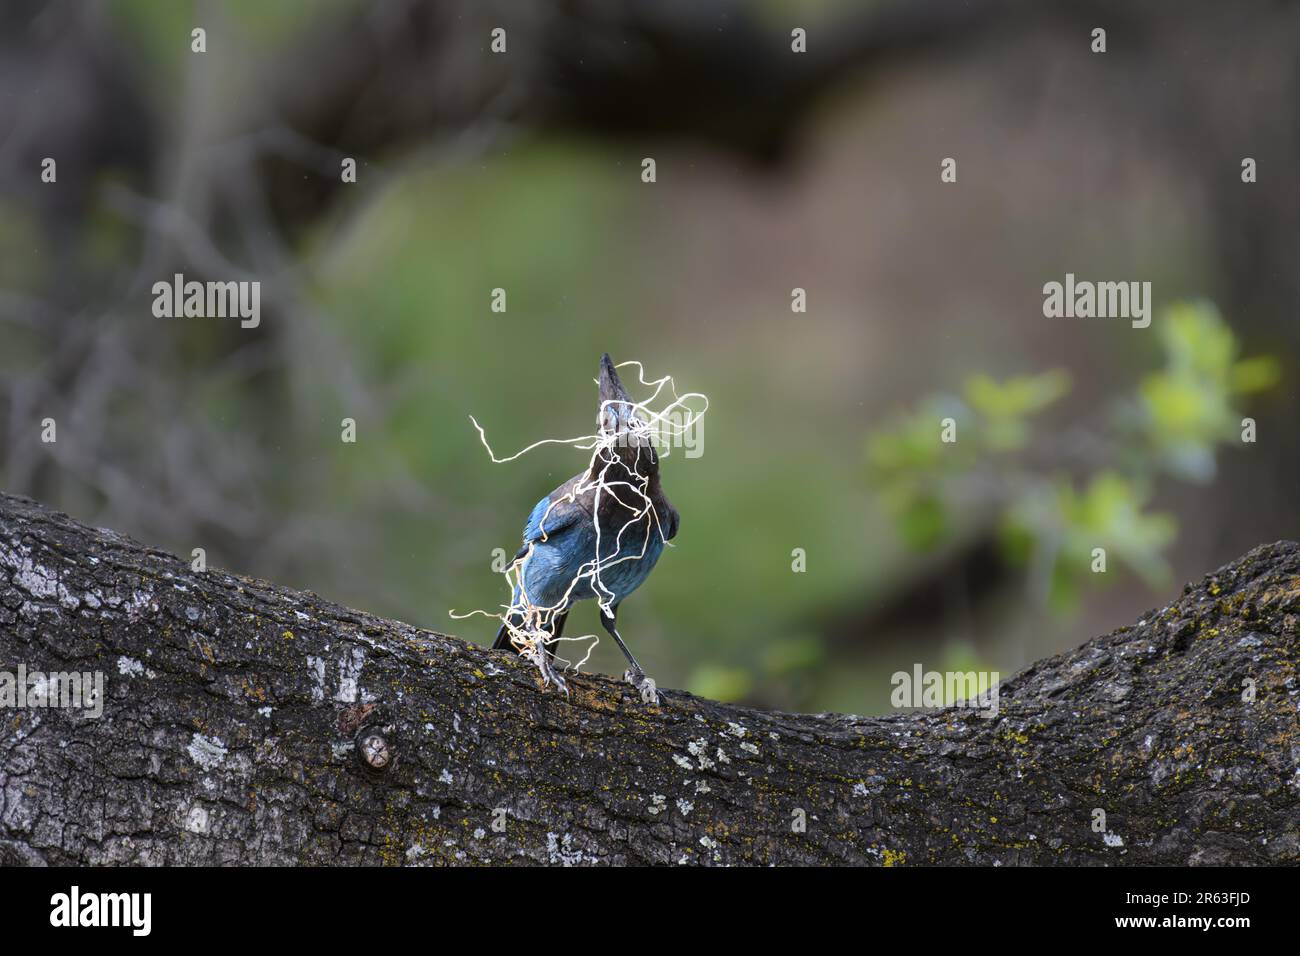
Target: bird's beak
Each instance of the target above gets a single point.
(611, 390)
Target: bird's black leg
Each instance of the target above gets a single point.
(544, 658)
(548, 654)
(611, 625)
(635, 675)
(544, 655)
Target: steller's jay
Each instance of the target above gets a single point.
(567, 556)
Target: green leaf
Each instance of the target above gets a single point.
(911, 445)
(1188, 406)
(1016, 397)
(1109, 514)
(1197, 342)
(1255, 374)
(1181, 409)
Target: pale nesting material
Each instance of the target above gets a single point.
(662, 428)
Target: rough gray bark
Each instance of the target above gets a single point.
(238, 714)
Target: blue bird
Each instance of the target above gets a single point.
(567, 556)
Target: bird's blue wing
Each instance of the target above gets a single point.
(557, 519)
(561, 518)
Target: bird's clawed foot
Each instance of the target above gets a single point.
(645, 686)
(550, 675)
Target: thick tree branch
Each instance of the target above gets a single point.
(237, 715)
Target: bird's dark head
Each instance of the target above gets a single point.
(632, 441)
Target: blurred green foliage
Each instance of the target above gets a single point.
(960, 458)
(1189, 406)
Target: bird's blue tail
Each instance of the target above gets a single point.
(503, 638)
(516, 620)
